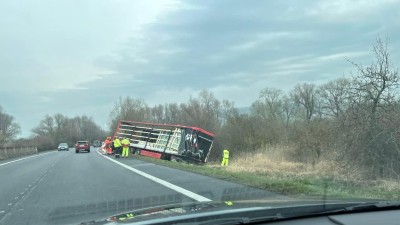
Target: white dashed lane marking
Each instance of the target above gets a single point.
(176, 188)
(15, 205)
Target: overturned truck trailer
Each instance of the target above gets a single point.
(163, 141)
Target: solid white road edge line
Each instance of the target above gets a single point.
(25, 158)
(183, 191)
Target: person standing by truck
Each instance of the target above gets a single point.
(107, 147)
(225, 157)
(125, 147)
(117, 146)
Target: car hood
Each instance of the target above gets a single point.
(198, 212)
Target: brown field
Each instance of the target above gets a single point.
(272, 161)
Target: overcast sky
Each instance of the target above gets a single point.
(77, 57)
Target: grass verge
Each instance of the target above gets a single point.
(289, 183)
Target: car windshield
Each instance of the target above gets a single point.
(115, 109)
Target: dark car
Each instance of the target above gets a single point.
(96, 143)
(63, 146)
(82, 145)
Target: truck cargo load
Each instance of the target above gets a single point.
(163, 141)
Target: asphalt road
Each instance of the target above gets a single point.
(69, 188)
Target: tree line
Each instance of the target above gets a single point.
(353, 121)
(58, 128)
(50, 131)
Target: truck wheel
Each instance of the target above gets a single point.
(76, 151)
(167, 157)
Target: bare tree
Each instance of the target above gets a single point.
(172, 113)
(8, 128)
(269, 104)
(203, 111)
(129, 109)
(59, 128)
(228, 111)
(375, 85)
(335, 97)
(210, 106)
(305, 95)
(289, 110)
(59, 121)
(158, 114)
(46, 126)
(371, 126)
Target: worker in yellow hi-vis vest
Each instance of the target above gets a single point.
(225, 158)
(125, 147)
(117, 146)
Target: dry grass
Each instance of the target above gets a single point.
(271, 170)
(273, 161)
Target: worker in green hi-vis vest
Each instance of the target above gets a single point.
(225, 158)
(125, 147)
(117, 146)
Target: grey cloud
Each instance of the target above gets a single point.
(234, 48)
(209, 31)
(228, 43)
